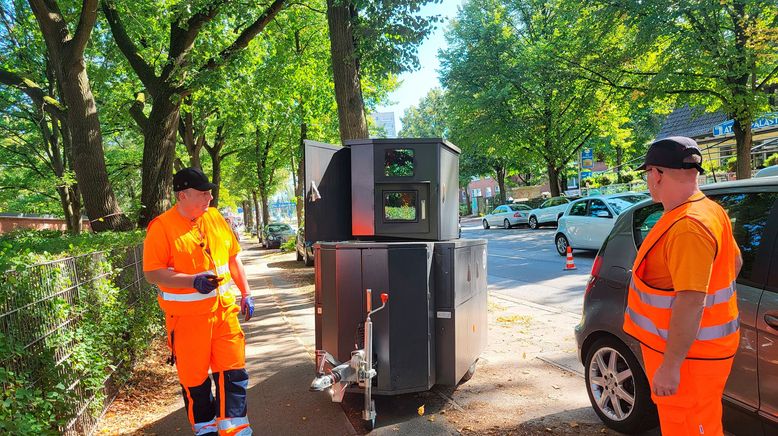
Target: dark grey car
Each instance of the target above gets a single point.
(615, 380)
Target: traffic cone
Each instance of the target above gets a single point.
(569, 265)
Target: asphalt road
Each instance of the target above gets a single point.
(524, 263)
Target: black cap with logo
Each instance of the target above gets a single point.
(671, 151)
(191, 178)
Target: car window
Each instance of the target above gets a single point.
(547, 203)
(621, 203)
(643, 221)
(275, 228)
(597, 206)
(496, 210)
(516, 207)
(749, 213)
(578, 209)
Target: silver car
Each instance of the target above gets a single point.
(507, 216)
(549, 212)
(607, 353)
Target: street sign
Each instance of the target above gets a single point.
(587, 158)
(586, 174)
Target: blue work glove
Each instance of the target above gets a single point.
(247, 307)
(205, 283)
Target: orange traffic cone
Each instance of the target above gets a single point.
(569, 265)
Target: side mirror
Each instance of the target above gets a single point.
(603, 214)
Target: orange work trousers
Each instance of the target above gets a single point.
(212, 341)
(695, 409)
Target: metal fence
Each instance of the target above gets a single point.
(43, 311)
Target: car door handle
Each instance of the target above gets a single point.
(771, 320)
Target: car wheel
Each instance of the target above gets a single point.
(299, 256)
(618, 388)
(486, 225)
(506, 224)
(561, 244)
(533, 223)
(308, 258)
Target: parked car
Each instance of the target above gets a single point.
(588, 221)
(507, 216)
(751, 395)
(275, 234)
(548, 212)
(304, 249)
(767, 171)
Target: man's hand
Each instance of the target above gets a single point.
(205, 283)
(247, 307)
(666, 380)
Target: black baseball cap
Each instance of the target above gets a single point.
(192, 178)
(671, 151)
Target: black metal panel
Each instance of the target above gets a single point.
(461, 307)
(327, 192)
(434, 176)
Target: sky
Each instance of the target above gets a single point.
(415, 85)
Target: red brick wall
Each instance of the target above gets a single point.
(8, 224)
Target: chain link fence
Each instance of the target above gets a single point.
(74, 327)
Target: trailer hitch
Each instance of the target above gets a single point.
(359, 369)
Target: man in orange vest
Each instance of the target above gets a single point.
(190, 252)
(682, 304)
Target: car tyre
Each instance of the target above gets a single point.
(308, 259)
(299, 256)
(506, 224)
(533, 223)
(561, 243)
(486, 225)
(611, 369)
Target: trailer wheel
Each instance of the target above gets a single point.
(469, 374)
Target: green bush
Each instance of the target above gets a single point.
(771, 160)
(80, 321)
(289, 245)
(732, 164)
(604, 179)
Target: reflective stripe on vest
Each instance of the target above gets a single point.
(197, 296)
(666, 301)
(703, 334)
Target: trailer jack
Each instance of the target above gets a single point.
(359, 369)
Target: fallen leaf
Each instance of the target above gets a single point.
(442, 412)
(305, 419)
(555, 386)
(431, 419)
(524, 355)
(574, 424)
(420, 410)
(395, 428)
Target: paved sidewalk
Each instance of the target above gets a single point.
(280, 364)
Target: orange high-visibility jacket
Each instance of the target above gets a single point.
(647, 317)
(191, 247)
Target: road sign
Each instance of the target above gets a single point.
(587, 158)
(586, 174)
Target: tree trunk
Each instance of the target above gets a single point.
(553, 180)
(744, 140)
(88, 158)
(500, 173)
(299, 188)
(248, 216)
(619, 159)
(345, 68)
(265, 210)
(216, 164)
(159, 152)
(256, 209)
(469, 205)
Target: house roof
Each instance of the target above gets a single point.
(693, 122)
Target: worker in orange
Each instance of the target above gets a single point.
(682, 303)
(190, 252)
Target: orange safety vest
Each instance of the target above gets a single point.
(647, 317)
(188, 256)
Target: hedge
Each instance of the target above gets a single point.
(75, 313)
